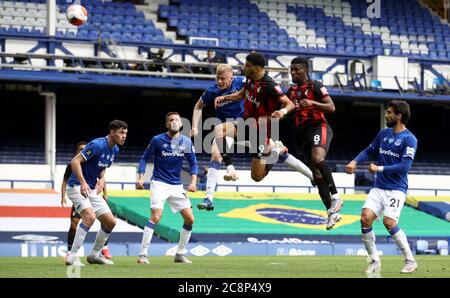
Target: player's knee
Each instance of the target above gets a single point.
(257, 177)
(318, 160)
(89, 220)
(365, 221)
(155, 219)
(389, 223)
(189, 220)
(111, 223)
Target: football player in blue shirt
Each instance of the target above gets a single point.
(168, 150)
(394, 148)
(224, 131)
(84, 186)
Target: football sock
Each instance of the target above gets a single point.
(324, 192)
(146, 237)
(79, 238)
(70, 237)
(185, 234)
(368, 237)
(327, 176)
(402, 242)
(100, 240)
(211, 179)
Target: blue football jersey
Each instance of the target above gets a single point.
(98, 156)
(227, 109)
(391, 148)
(168, 156)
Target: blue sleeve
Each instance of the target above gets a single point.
(410, 147)
(150, 151)
(92, 149)
(366, 153)
(207, 97)
(190, 156)
(399, 168)
(240, 82)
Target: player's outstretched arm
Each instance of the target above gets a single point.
(398, 168)
(150, 151)
(196, 115)
(230, 97)
(287, 106)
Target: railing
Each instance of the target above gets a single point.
(341, 189)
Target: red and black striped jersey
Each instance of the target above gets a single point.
(312, 90)
(261, 97)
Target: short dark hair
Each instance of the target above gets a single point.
(257, 59)
(79, 144)
(301, 61)
(401, 107)
(117, 124)
(170, 114)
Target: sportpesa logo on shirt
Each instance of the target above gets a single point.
(165, 153)
(389, 152)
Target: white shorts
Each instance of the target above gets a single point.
(174, 194)
(387, 202)
(94, 201)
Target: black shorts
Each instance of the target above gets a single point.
(74, 213)
(314, 135)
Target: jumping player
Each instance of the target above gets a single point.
(228, 113)
(264, 99)
(312, 101)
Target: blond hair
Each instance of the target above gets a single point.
(221, 68)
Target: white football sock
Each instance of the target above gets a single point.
(402, 242)
(185, 234)
(369, 242)
(211, 182)
(100, 241)
(146, 238)
(80, 235)
(297, 165)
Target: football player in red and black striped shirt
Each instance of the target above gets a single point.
(264, 100)
(312, 101)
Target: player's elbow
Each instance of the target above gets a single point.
(332, 109)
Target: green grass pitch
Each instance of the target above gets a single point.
(225, 267)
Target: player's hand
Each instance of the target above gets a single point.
(194, 132)
(63, 201)
(373, 168)
(304, 103)
(84, 189)
(192, 188)
(140, 184)
(350, 168)
(218, 101)
(100, 185)
(277, 114)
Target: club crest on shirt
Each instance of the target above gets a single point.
(391, 140)
(398, 142)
